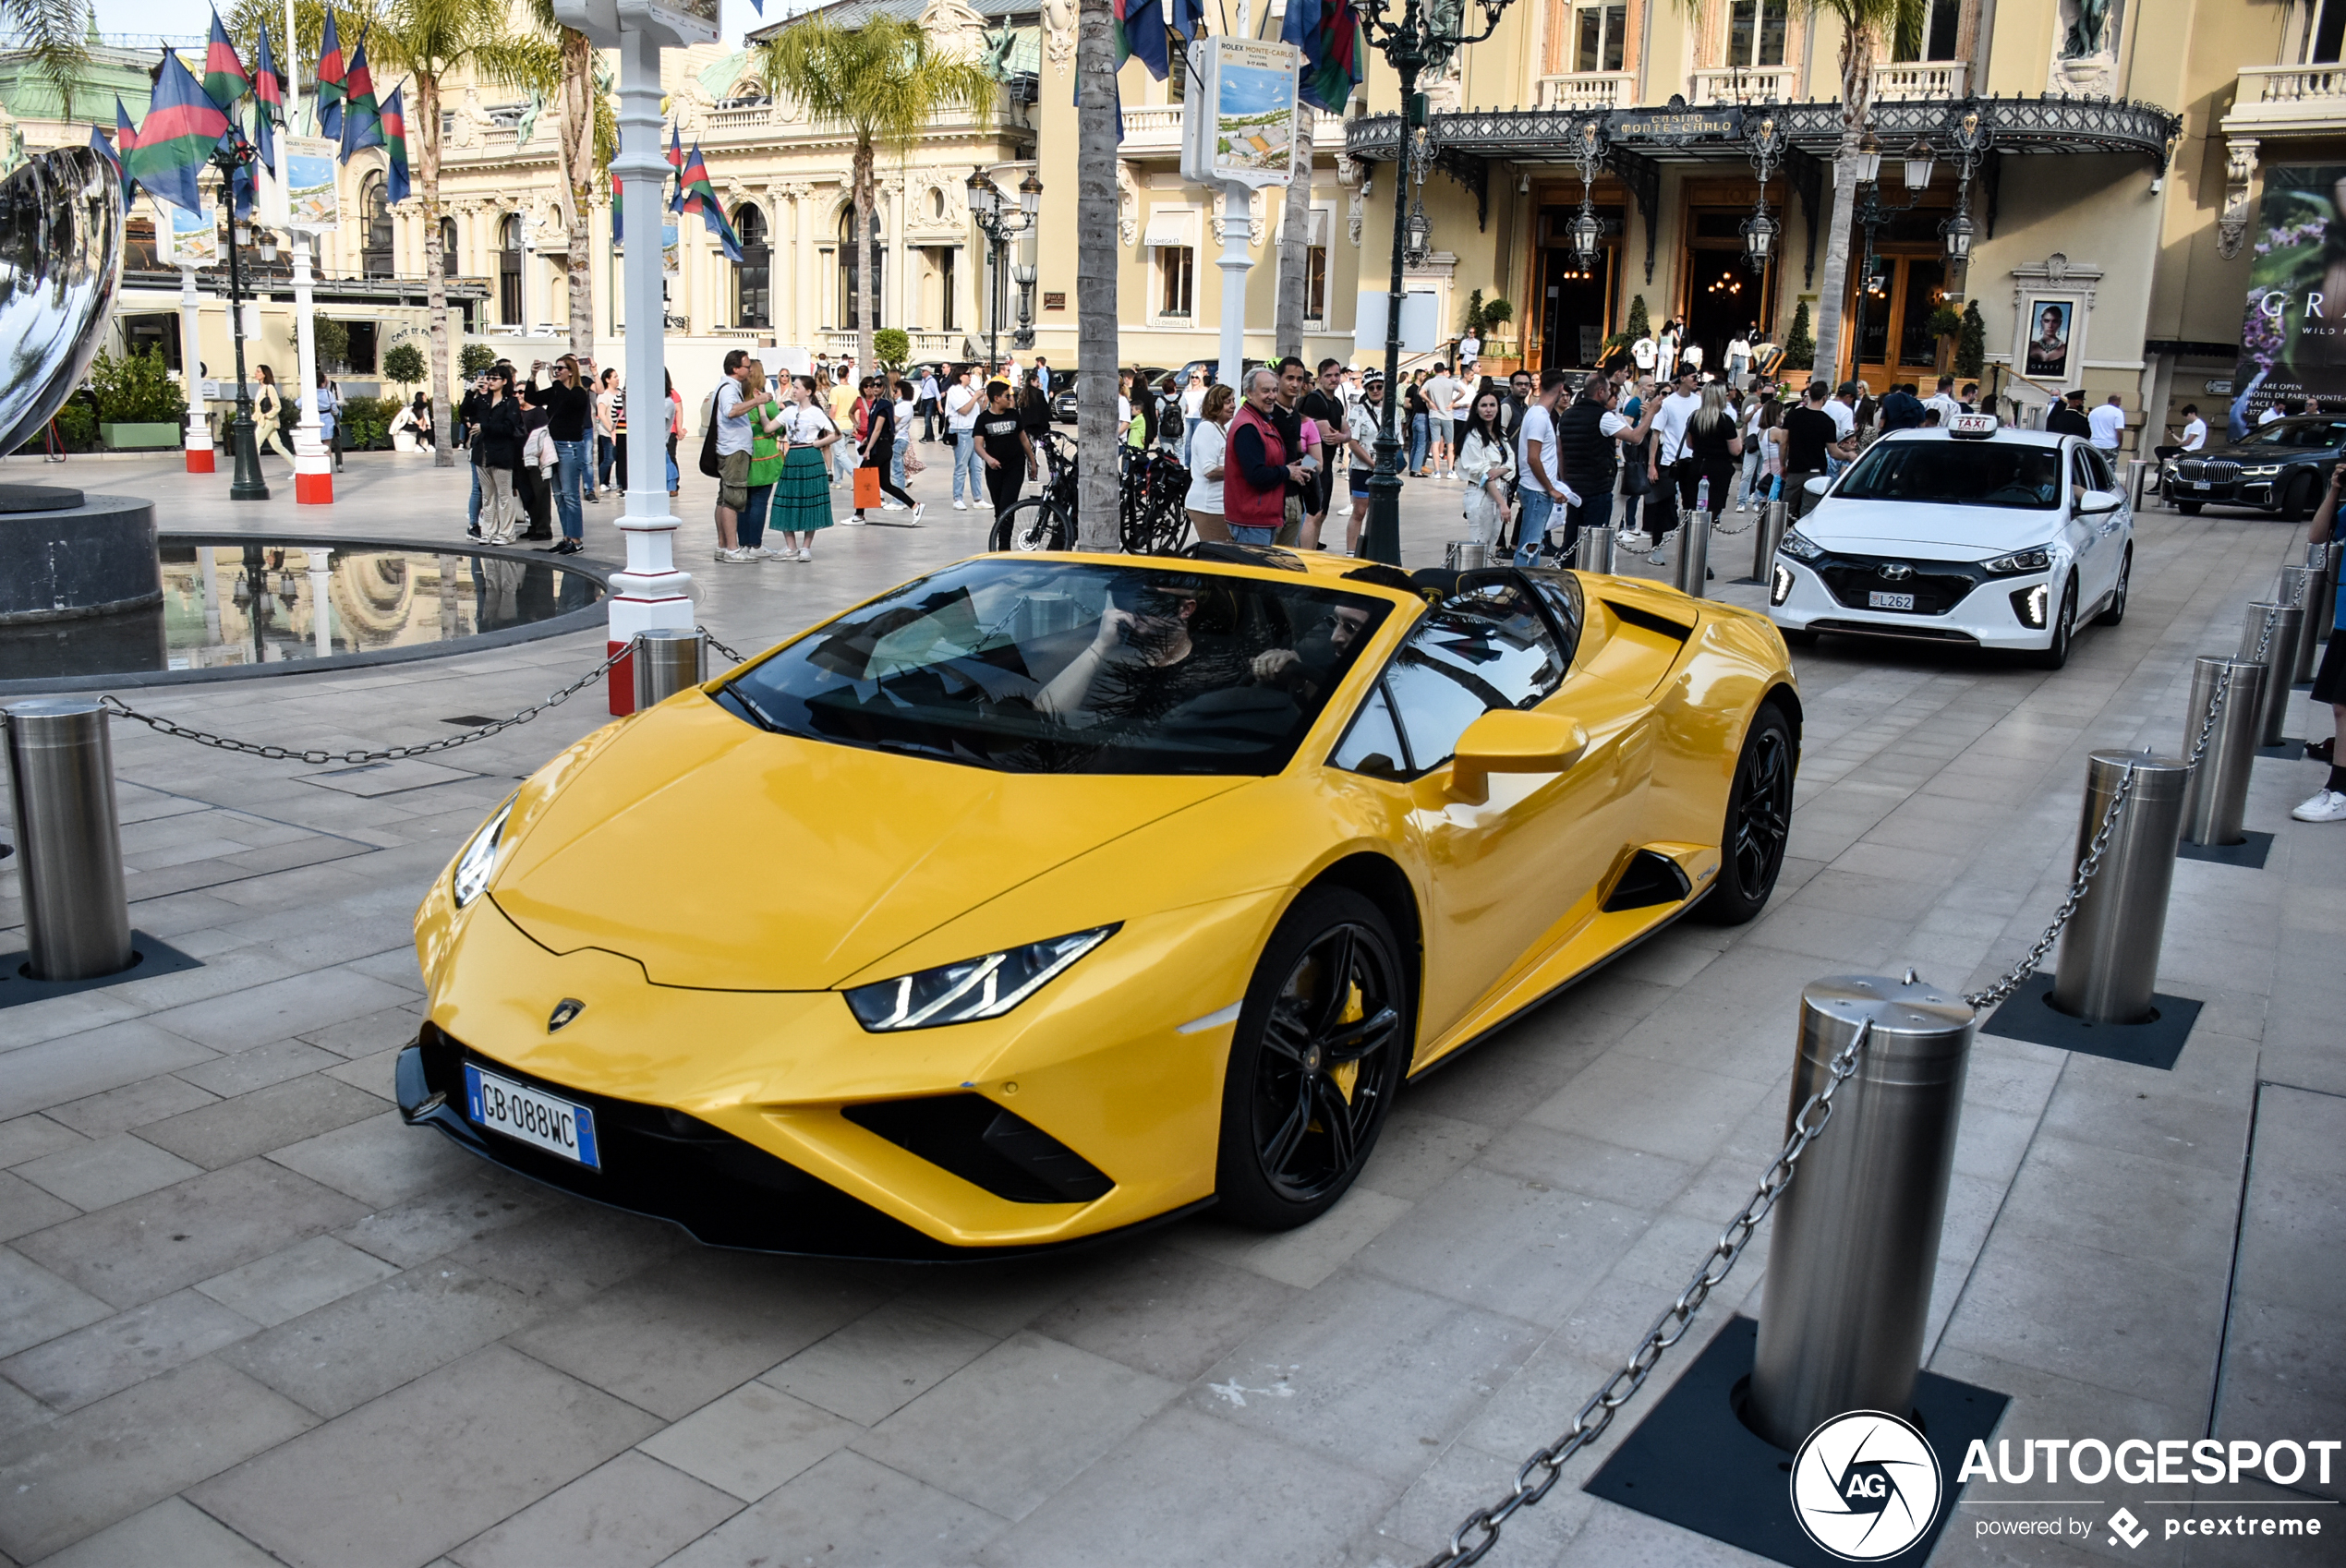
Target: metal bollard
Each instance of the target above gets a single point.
(666, 660)
(1857, 1233)
(1693, 553)
(2136, 468)
(1597, 549)
(1770, 536)
(2279, 661)
(2297, 587)
(2216, 800)
(77, 915)
(2321, 613)
(2108, 961)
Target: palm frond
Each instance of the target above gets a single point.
(883, 80)
(54, 34)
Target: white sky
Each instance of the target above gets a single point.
(189, 18)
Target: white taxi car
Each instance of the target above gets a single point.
(1975, 535)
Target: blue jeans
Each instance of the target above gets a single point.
(1532, 533)
(570, 473)
(967, 463)
(1241, 534)
(896, 459)
(606, 454)
(753, 518)
(1419, 434)
(1189, 434)
(472, 507)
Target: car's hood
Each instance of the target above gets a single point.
(2258, 457)
(1941, 533)
(720, 856)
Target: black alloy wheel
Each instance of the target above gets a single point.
(1759, 822)
(2056, 654)
(2115, 611)
(2300, 498)
(1323, 1042)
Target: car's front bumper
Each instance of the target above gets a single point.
(1989, 615)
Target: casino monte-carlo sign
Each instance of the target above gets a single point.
(1675, 122)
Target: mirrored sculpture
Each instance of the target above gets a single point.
(61, 222)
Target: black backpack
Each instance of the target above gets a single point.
(708, 463)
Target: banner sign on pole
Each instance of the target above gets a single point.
(1241, 128)
(184, 239)
(312, 204)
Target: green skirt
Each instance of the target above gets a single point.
(802, 495)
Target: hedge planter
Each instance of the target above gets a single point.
(138, 438)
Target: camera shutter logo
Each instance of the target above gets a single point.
(1865, 1486)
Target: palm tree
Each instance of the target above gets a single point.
(589, 137)
(55, 34)
(1295, 244)
(423, 40)
(1866, 26)
(1096, 255)
(884, 83)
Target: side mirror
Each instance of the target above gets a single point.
(1511, 740)
(1817, 485)
(2095, 502)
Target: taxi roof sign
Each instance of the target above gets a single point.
(1973, 427)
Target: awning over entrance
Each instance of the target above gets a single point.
(1635, 144)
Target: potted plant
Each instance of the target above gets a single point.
(1971, 343)
(1945, 324)
(1498, 331)
(140, 409)
(1801, 342)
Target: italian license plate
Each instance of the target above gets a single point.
(531, 1115)
(2203, 484)
(1878, 600)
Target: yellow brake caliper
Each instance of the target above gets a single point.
(1349, 1073)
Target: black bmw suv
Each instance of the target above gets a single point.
(2281, 467)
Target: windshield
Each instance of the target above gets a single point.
(1952, 472)
(1042, 666)
(2316, 433)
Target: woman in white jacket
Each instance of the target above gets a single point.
(1486, 462)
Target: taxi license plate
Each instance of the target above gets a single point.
(531, 1115)
(1878, 600)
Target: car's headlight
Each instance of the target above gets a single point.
(479, 861)
(1798, 546)
(2262, 471)
(984, 987)
(2018, 561)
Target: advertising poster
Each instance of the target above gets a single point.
(184, 239)
(1248, 139)
(2049, 342)
(2291, 346)
(311, 194)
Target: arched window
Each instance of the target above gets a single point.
(448, 261)
(509, 269)
(753, 278)
(375, 255)
(846, 317)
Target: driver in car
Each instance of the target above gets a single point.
(1310, 668)
(1143, 662)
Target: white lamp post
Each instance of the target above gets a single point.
(650, 594)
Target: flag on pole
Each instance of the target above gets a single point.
(1140, 30)
(1186, 18)
(119, 150)
(1328, 32)
(362, 116)
(223, 74)
(243, 188)
(676, 161)
(182, 126)
(618, 215)
(104, 149)
(394, 133)
(330, 75)
(700, 196)
(269, 101)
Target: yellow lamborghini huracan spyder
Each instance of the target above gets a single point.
(1046, 894)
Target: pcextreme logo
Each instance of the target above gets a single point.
(1865, 1486)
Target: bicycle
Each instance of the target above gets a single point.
(1152, 518)
(1045, 521)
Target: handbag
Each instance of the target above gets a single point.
(867, 488)
(708, 463)
(1633, 470)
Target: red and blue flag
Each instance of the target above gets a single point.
(394, 134)
(269, 101)
(331, 76)
(362, 116)
(182, 126)
(223, 74)
(1328, 32)
(700, 196)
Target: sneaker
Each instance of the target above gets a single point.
(569, 546)
(891, 506)
(920, 510)
(1654, 559)
(961, 506)
(734, 556)
(852, 520)
(807, 555)
(2328, 805)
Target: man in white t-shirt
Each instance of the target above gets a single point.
(1643, 351)
(2271, 413)
(1539, 468)
(964, 404)
(2108, 422)
(1469, 350)
(2193, 438)
(1670, 448)
(733, 458)
(1842, 406)
(1441, 414)
(1943, 400)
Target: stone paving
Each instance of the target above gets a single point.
(248, 1317)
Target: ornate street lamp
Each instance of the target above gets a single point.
(1759, 241)
(1969, 136)
(1765, 145)
(1002, 220)
(1919, 164)
(1587, 229)
(232, 153)
(1411, 35)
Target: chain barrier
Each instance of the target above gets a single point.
(1593, 1417)
(729, 653)
(390, 753)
